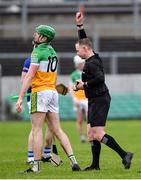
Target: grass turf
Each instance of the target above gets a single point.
(13, 151)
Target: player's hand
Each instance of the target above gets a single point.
(19, 105)
(79, 18)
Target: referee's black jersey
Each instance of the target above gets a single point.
(93, 74)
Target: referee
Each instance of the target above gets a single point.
(93, 83)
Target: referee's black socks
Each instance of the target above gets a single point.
(95, 148)
(110, 142)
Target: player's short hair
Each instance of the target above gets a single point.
(87, 42)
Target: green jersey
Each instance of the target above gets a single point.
(45, 57)
(77, 75)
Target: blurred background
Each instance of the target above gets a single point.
(114, 26)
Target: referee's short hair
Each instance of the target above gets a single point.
(85, 42)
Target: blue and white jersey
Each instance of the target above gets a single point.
(25, 69)
(26, 65)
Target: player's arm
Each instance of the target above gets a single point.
(23, 76)
(25, 85)
(71, 87)
(80, 25)
(29, 76)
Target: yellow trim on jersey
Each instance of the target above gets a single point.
(33, 102)
(79, 94)
(44, 81)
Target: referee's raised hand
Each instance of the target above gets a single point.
(79, 19)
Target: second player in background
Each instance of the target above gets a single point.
(79, 99)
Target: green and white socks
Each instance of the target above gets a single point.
(72, 159)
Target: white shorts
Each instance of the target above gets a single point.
(83, 105)
(44, 101)
(29, 106)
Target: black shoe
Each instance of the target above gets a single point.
(91, 168)
(28, 171)
(29, 162)
(76, 167)
(126, 161)
(46, 159)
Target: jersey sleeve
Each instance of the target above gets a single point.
(26, 65)
(82, 34)
(73, 77)
(35, 57)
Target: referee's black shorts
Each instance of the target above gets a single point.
(98, 108)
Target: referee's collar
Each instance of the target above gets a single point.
(96, 55)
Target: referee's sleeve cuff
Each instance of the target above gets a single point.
(85, 85)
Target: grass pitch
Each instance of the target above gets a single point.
(13, 153)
